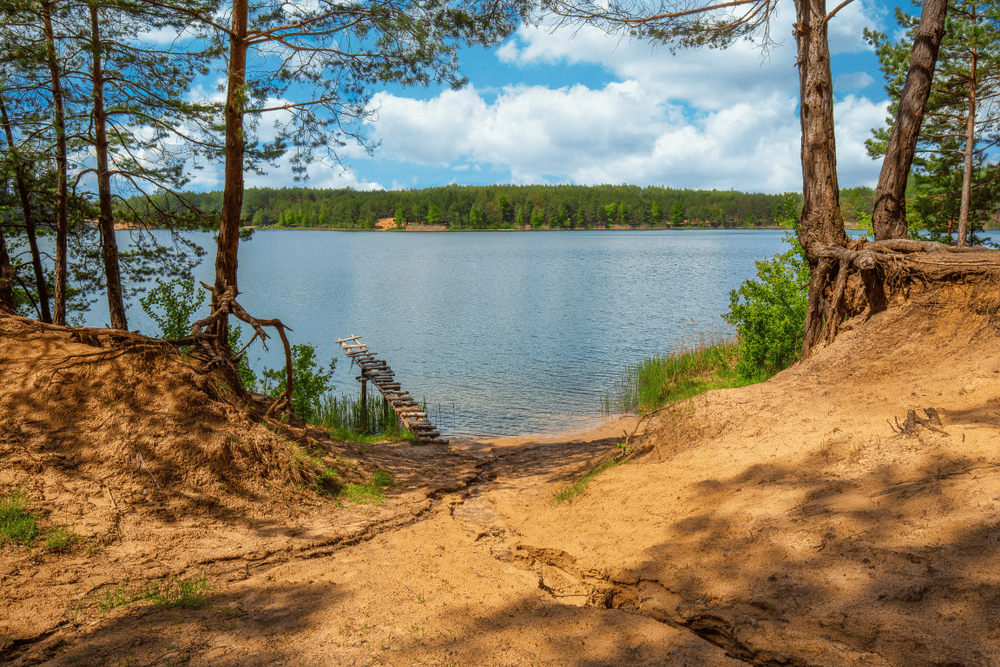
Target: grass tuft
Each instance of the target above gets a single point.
(18, 524)
(707, 363)
(371, 492)
(172, 593)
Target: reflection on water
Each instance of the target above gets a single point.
(501, 333)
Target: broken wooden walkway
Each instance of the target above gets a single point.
(379, 373)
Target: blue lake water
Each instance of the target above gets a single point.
(500, 332)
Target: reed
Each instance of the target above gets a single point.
(706, 362)
(344, 416)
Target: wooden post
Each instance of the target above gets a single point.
(364, 403)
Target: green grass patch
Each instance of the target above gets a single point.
(694, 368)
(580, 485)
(60, 538)
(371, 492)
(20, 524)
(348, 435)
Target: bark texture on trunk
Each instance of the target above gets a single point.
(29, 220)
(62, 193)
(821, 217)
(232, 197)
(889, 216)
(106, 223)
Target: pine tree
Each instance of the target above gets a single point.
(956, 136)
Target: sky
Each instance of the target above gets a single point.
(582, 107)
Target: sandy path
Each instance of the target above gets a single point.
(448, 587)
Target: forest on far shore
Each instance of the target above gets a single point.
(519, 206)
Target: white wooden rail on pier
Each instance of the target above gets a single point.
(382, 377)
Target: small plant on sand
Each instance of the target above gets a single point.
(181, 593)
(60, 538)
(580, 485)
(22, 525)
(172, 593)
(322, 476)
(18, 523)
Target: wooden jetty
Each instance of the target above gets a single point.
(380, 375)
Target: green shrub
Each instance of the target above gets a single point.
(769, 314)
(171, 306)
(311, 383)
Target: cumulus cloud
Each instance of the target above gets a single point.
(699, 119)
(617, 134)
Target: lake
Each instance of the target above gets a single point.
(501, 333)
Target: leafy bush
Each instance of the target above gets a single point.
(311, 382)
(171, 306)
(770, 313)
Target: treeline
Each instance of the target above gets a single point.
(518, 207)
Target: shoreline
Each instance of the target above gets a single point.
(607, 430)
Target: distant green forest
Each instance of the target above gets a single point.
(518, 206)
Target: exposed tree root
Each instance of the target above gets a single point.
(883, 269)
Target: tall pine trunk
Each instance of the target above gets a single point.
(106, 223)
(822, 221)
(7, 304)
(27, 213)
(62, 193)
(970, 145)
(232, 197)
(889, 216)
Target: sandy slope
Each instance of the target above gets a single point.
(782, 524)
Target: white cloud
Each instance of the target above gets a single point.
(852, 81)
(846, 29)
(855, 117)
(617, 134)
(700, 118)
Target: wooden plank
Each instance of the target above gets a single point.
(381, 375)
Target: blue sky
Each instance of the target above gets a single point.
(556, 107)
